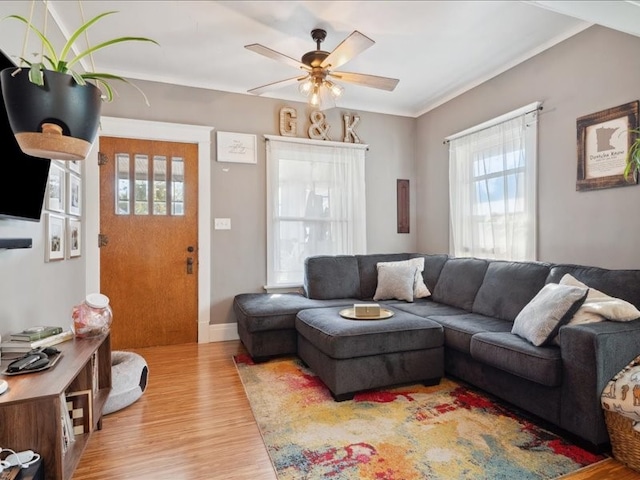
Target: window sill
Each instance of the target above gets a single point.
(284, 288)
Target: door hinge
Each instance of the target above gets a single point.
(102, 158)
(102, 240)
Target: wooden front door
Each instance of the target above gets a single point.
(148, 235)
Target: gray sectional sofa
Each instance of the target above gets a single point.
(473, 304)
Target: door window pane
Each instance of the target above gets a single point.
(177, 186)
(159, 185)
(123, 183)
(142, 185)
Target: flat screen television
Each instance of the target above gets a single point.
(23, 178)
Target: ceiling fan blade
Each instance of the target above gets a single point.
(373, 81)
(275, 85)
(349, 48)
(267, 52)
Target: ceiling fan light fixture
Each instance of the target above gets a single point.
(335, 89)
(314, 101)
(305, 86)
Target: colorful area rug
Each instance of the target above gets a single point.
(449, 431)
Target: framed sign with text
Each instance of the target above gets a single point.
(236, 147)
(603, 142)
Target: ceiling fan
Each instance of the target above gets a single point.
(319, 66)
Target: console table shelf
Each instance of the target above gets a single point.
(30, 410)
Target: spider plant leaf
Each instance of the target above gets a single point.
(79, 31)
(77, 77)
(102, 45)
(24, 60)
(102, 77)
(62, 67)
(35, 74)
(107, 89)
(631, 171)
(50, 61)
(633, 156)
(45, 41)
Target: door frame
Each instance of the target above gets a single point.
(150, 130)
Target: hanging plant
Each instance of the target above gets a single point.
(53, 109)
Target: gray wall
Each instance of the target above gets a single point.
(33, 292)
(592, 71)
(238, 256)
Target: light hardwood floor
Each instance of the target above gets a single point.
(194, 422)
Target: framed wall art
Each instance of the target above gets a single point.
(74, 165)
(74, 237)
(54, 237)
(55, 198)
(74, 194)
(402, 205)
(603, 142)
(236, 147)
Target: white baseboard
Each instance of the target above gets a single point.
(222, 332)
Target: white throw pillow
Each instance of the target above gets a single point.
(395, 282)
(553, 306)
(420, 290)
(599, 305)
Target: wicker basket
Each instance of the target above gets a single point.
(625, 441)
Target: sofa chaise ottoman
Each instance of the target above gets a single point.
(352, 355)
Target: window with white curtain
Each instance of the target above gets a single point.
(315, 204)
(492, 187)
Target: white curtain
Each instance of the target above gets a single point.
(316, 204)
(492, 190)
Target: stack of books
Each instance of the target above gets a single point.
(31, 338)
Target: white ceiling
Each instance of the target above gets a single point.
(438, 49)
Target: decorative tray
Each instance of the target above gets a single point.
(351, 314)
(53, 360)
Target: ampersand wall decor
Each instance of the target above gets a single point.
(319, 129)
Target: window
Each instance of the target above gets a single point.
(316, 204)
(142, 185)
(492, 188)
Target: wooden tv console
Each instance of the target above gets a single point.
(31, 409)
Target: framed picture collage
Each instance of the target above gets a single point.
(63, 211)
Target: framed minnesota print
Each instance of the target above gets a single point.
(74, 237)
(55, 199)
(604, 139)
(74, 194)
(55, 237)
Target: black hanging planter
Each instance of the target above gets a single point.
(58, 120)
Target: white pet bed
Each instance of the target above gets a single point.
(129, 373)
